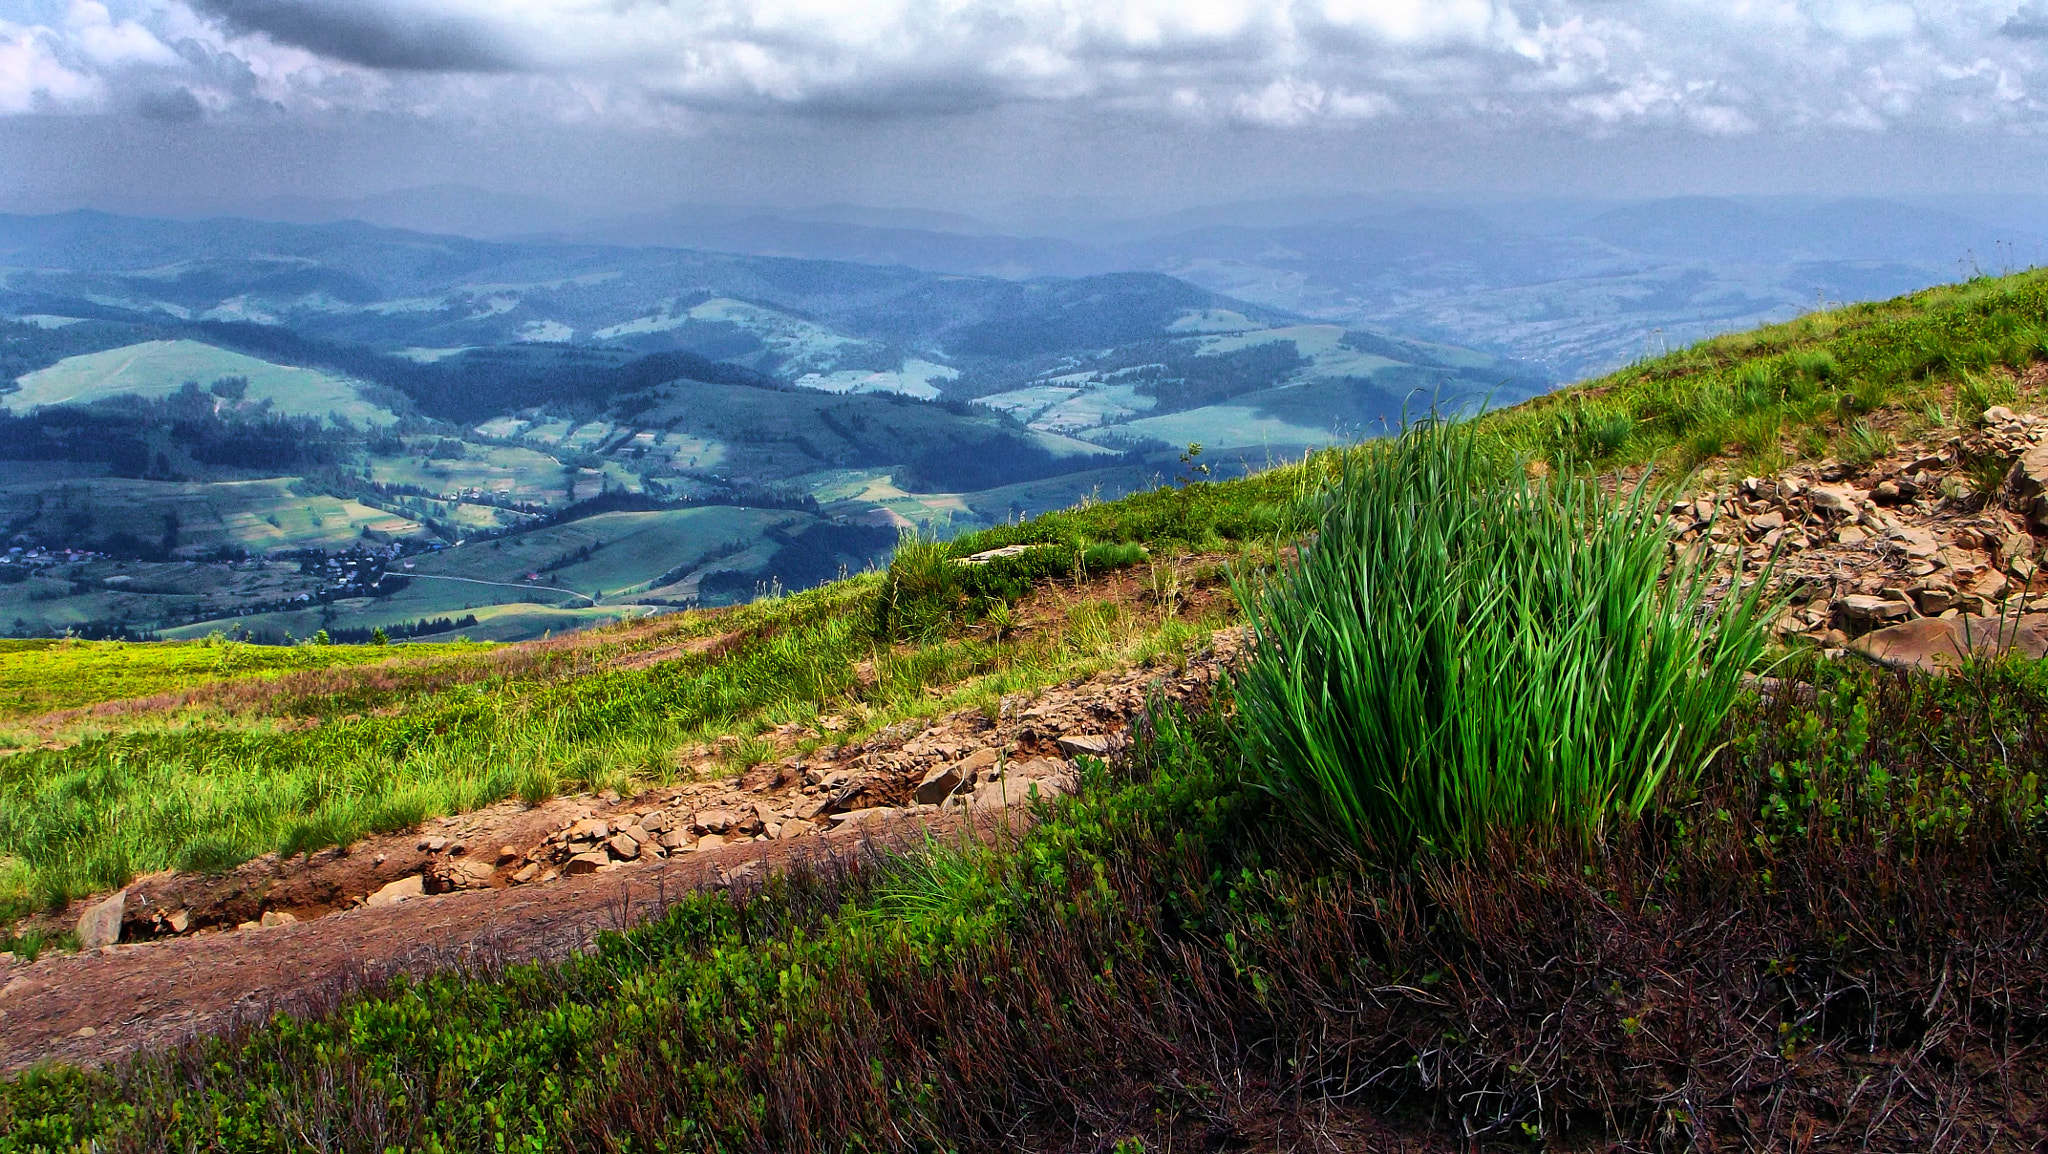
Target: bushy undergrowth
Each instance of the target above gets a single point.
(1464, 653)
(1831, 939)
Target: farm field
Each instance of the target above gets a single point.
(618, 553)
(519, 474)
(143, 594)
(158, 369)
(258, 515)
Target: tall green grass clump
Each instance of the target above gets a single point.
(1463, 651)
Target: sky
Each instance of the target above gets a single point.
(1013, 106)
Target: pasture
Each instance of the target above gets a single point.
(157, 369)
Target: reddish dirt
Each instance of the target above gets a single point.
(97, 1006)
(203, 962)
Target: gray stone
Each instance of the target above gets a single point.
(410, 886)
(988, 555)
(938, 785)
(976, 766)
(586, 863)
(1938, 644)
(1916, 542)
(1864, 611)
(624, 847)
(1092, 744)
(2029, 482)
(1934, 601)
(100, 924)
(1839, 500)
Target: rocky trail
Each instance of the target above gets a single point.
(1899, 561)
(178, 954)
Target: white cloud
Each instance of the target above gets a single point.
(1712, 66)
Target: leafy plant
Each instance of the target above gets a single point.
(1465, 652)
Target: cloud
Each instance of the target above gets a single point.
(173, 105)
(381, 34)
(2030, 22)
(1713, 67)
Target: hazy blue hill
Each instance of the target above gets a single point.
(932, 248)
(1711, 228)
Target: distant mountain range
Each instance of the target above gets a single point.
(587, 417)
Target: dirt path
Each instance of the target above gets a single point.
(97, 1006)
(520, 883)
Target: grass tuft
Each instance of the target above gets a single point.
(1465, 652)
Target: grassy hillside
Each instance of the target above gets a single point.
(1829, 384)
(161, 368)
(1490, 845)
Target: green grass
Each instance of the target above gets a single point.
(40, 676)
(1464, 654)
(1825, 371)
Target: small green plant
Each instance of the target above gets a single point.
(29, 944)
(1001, 620)
(1110, 555)
(1756, 387)
(1589, 433)
(1979, 391)
(1816, 364)
(1861, 445)
(1986, 475)
(379, 637)
(1163, 583)
(747, 752)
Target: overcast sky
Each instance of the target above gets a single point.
(977, 103)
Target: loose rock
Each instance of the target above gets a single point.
(100, 924)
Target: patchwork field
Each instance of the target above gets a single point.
(262, 515)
